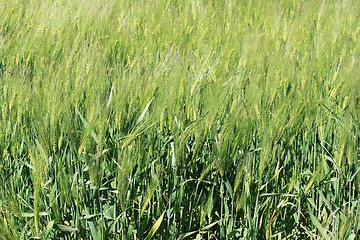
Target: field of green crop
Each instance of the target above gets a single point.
(179, 119)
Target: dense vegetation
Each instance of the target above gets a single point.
(179, 119)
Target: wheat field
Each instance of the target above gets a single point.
(170, 119)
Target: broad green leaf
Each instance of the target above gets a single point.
(49, 227)
(93, 230)
(144, 112)
(87, 126)
(155, 227)
(31, 214)
(352, 236)
(318, 225)
(65, 228)
(186, 235)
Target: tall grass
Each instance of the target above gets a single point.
(179, 119)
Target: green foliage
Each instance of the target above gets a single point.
(179, 119)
